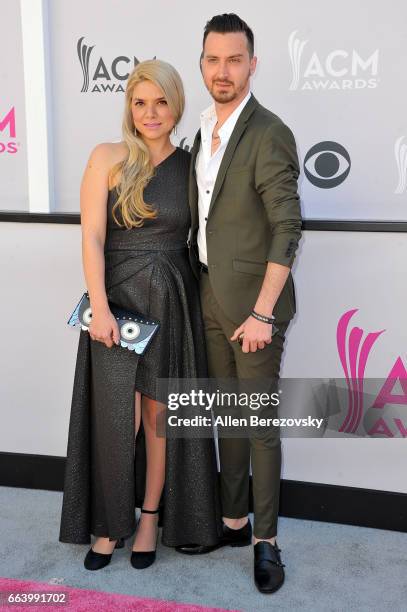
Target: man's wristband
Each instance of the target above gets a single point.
(262, 318)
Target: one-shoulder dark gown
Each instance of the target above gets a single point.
(147, 270)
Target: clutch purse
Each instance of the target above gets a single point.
(136, 330)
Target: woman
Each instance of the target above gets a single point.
(135, 220)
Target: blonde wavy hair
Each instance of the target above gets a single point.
(137, 169)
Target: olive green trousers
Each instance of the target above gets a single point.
(259, 446)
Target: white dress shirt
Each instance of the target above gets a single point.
(207, 165)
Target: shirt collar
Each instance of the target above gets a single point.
(208, 117)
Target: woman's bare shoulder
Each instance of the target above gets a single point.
(109, 153)
(104, 157)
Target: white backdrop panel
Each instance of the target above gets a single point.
(39, 350)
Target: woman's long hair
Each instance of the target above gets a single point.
(137, 169)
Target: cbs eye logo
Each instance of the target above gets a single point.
(327, 164)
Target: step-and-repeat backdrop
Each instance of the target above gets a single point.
(337, 77)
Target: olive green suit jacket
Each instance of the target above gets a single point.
(254, 214)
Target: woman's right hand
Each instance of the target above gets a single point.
(103, 328)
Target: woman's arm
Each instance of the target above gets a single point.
(94, 193)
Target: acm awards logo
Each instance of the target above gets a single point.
(8, 133)
(340, 69)
(100, 75)
(382, 418)
(327, 164)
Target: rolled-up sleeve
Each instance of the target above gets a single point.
(276, 176)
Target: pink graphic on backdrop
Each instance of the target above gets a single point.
(353, 357)
(9, 121)
(398, 372)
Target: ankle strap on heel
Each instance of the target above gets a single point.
(150, 511)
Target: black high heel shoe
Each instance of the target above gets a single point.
(95, 560)
(143, 559)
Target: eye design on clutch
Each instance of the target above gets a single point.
(87, 316)
(136, 330)
(130, 331)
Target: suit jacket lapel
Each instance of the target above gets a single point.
(234, 139)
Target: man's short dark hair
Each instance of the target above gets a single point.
(229, 22)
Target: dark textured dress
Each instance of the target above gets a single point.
(147, 270)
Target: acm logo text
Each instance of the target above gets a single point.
(8, 133)
(339, 69)
(101, 75)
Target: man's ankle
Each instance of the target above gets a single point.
(270, 540)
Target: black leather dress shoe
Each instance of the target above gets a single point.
(230, 537)
(268, 569)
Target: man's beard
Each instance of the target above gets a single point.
(222, 97)
(229, 94)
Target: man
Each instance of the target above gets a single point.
(246, 224)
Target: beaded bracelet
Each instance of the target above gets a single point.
(262, 318)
